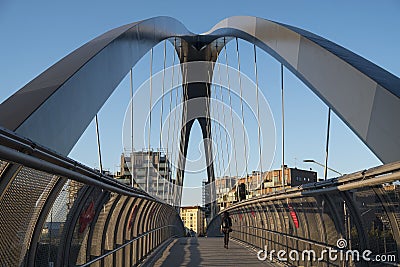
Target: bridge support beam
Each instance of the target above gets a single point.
(196, 106)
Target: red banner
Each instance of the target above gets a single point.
(86, 217)
(294, 216)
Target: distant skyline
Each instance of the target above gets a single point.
(35, 35)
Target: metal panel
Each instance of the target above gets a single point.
(383, 128)
(125, 231)
(38, 233)
(134, 232)
(108, 236)
(352, 95)
(97, 227)
(20, 206)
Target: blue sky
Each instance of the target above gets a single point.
(36, 34)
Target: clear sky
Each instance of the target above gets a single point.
(36, 34)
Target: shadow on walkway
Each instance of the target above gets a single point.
(209, 251)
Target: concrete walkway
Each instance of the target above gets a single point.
(209, 251)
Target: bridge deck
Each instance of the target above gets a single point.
(193, 251)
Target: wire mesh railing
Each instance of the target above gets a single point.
(57, 212)
(334, 223)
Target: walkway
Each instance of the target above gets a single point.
(193, 252)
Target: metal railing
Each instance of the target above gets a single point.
(56, 211)
(355, 212)
(126, 244)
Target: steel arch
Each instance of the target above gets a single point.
(54, 111)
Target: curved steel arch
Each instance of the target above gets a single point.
(55, 108)
(362, 94)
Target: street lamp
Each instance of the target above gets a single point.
(322, 165)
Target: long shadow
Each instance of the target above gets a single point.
(181, 251)
(195, 258)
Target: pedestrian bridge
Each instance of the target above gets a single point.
(55, 211)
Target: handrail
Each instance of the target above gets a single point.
(374, 176)
(285, 235)
(20, 150)
(124, 245)
(344, 188)
(295, 238)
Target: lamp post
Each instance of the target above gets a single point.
(322, 165)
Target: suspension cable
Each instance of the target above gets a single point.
(175, 108)
(242, 109)
(169, 121)
(208, 132)
(258, 116)
(233, 128)
(219, 153)
(98, 144)
(176, 154)
(184, 103)
(133, 160)
(211, 115)
(219, 131)
(219, 127)
(213, 130)
(179, 100)
(283, 130)
(224, 118)
(149, 133)
(170, 184)
(161, 121)
(184, 114)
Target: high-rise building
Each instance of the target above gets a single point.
(206, 192)
(193, 218)
(151, 172)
